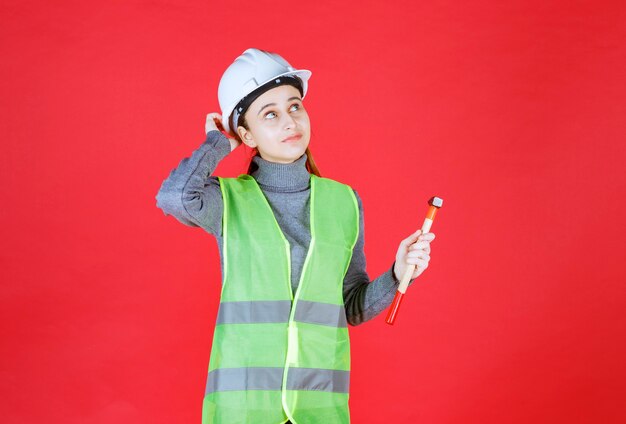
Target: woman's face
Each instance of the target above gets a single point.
(274, 116)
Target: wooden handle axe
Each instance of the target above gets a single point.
(434, 204)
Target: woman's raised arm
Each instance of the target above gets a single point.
(190, 193)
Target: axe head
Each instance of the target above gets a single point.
(436, 202)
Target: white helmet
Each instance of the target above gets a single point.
(249, 71)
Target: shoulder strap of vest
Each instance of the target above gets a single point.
(245, 180)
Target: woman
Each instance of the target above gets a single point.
(291, 254)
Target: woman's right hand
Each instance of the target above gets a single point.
(214, 122)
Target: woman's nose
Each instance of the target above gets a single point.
(289, 121)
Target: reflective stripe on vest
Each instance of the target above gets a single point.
(270, 361)
(278, 311)
(266, 378)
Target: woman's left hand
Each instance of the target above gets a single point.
(413, 250)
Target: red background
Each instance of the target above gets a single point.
(512, 112)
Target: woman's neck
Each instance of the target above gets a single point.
(284, 177)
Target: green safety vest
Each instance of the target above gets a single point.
(275, 355)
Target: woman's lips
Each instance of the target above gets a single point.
(293, 138)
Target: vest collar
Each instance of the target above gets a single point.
(283, 177)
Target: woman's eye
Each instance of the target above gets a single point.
(296, 105)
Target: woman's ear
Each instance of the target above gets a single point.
(246, 136)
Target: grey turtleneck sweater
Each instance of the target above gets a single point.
(193, 196)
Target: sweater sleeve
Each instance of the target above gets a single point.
(190, 194)
(365, 299)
